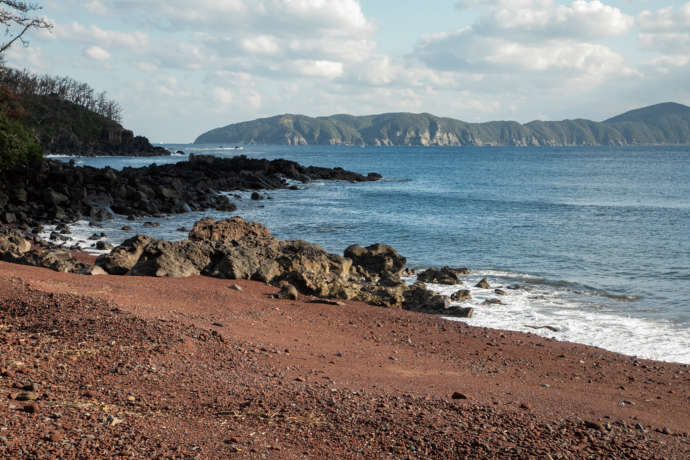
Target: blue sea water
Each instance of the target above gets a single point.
(598, 237)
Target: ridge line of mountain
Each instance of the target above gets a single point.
(666, 123)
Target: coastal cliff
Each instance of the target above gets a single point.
(667, 123)
(59, 115)
(63, 127)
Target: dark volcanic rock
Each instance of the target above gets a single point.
(425, 300)
(483, 284)
(192, 185)
(493, 302)
(461, 296)
(420, 299)
(376, 260)
(445, 275)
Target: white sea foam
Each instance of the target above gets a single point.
(79, 237)
(571, 312)
(532, 308)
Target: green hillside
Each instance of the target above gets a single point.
(46, 114)
(667, 123)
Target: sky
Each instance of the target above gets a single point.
(180, 68)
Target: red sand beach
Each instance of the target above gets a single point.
(100, 366)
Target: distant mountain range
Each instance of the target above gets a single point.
(667, 123)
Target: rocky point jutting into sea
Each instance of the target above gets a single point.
(54, 191)
(231, 249)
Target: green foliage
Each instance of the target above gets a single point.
(64, 127)
(660, 124)
(18, 145)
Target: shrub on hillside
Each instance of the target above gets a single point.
(18, 145)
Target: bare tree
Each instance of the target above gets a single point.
(65, 88)
(17, 18)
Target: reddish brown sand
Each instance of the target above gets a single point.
(190, 368)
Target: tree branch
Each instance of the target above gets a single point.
(8, 44)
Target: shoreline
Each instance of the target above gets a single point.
(407, 363)
(512, 299)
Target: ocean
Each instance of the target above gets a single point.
(597, 238)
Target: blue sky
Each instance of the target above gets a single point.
(179, 71)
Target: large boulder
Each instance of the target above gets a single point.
(377, 260)
(178, 259)
(390, 296)
(144, 256)
(483, 284)
(13, 245)
(235, 231)
(124, 257)
(249, 263)
(58, 260)
(444, 275)
(420, 299)
(55, 198)
(311, 269)
(461, 296)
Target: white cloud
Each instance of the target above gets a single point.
(109, 38)
(317, 17)
(672, 43)
(540, 19)
(665, 20)
(97, 7)
(670, 64)
(261, 44)
(470, 52)
(26, 58)
(96, 53)
(531, 42)
(222, 95)
(278, 38)
(324, 69)
(666, 30)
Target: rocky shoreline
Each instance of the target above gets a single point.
(113, 141)
(55, 191)
(239, 250)
(229, 249)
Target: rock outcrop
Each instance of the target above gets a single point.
(444, 275)
(235, 249)
(462, 295)
(57, 191)
(18, 250)
(483, 284)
